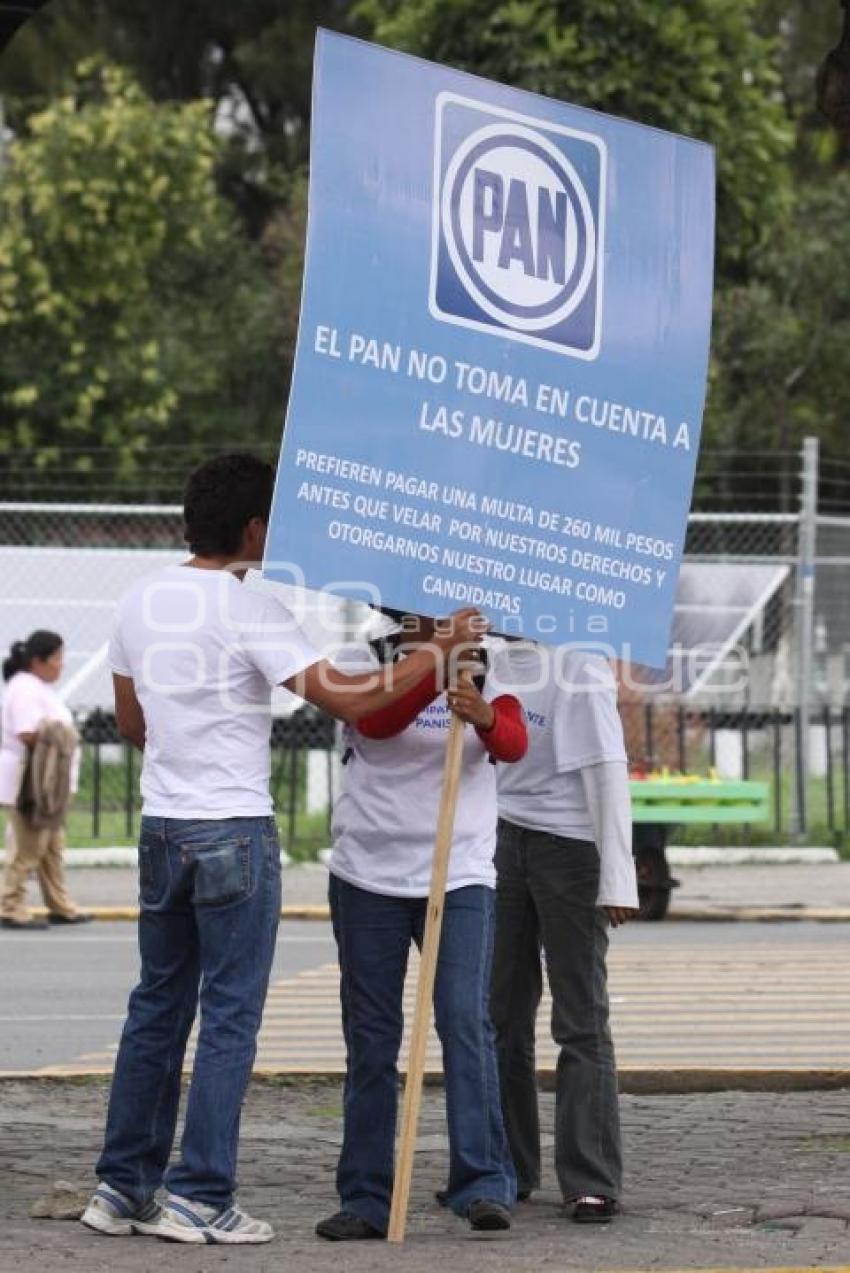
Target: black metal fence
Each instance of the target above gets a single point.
(755, 743)
(107, 806)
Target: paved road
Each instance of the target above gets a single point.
(696, 995)
(63, 993)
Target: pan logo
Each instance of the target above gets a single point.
(518, 225)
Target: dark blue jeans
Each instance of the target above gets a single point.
(373, 934)
(210, 906)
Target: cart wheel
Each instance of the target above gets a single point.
(653, 877)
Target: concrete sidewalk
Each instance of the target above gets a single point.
(706, 892)
(785, 891)
(743, 1180)
(119, 886)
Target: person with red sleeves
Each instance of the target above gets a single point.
(384, 827)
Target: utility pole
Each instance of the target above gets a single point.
(805, 623)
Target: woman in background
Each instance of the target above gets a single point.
(29, 704)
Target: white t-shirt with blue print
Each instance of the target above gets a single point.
(385, 818)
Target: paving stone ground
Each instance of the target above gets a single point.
(721, 1180)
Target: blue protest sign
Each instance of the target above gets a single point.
(501, 363)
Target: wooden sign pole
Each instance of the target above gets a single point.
(425, 986)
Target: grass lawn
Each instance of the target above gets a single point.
(819, 831)
(118, 784)
(311, 832)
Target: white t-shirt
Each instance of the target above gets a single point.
(385, 819)
(27, 702)
(204, 652)
(570, 703)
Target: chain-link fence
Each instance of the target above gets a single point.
(756, 685)
(63, 567)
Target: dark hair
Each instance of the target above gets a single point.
(38, 645)
(395, 616)
(220, 499)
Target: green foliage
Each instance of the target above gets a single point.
(698, 68)
(135, 313)
(782, 343)
(804, 31)
(131, 311)
(283, 243)
(735, 73)
(251, 59)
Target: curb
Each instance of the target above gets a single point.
(120, 857)
(130, 914)
(793, 914)
(127, 857)
(748, 855)
(632, 1082)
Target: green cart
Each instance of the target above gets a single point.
(660, 804)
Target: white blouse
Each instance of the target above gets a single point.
(27, 702)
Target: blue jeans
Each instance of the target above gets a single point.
(210, 906)
(373, 934)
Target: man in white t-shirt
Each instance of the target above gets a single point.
(565, 872)
(195, 654)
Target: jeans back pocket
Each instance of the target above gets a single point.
(154, 870)
(222, 872)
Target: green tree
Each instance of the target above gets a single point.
(251, 59)
(698, 68)
(782, 342)
(804, 31)
(131, 310)
(738, 73)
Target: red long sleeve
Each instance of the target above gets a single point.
(391, 720)
(508, 738)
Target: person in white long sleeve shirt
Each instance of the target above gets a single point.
(565, 874)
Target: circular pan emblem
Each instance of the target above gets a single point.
(526, 301)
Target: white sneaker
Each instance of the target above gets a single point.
(114, 1214)
(183, 1220)
(235, 1226)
